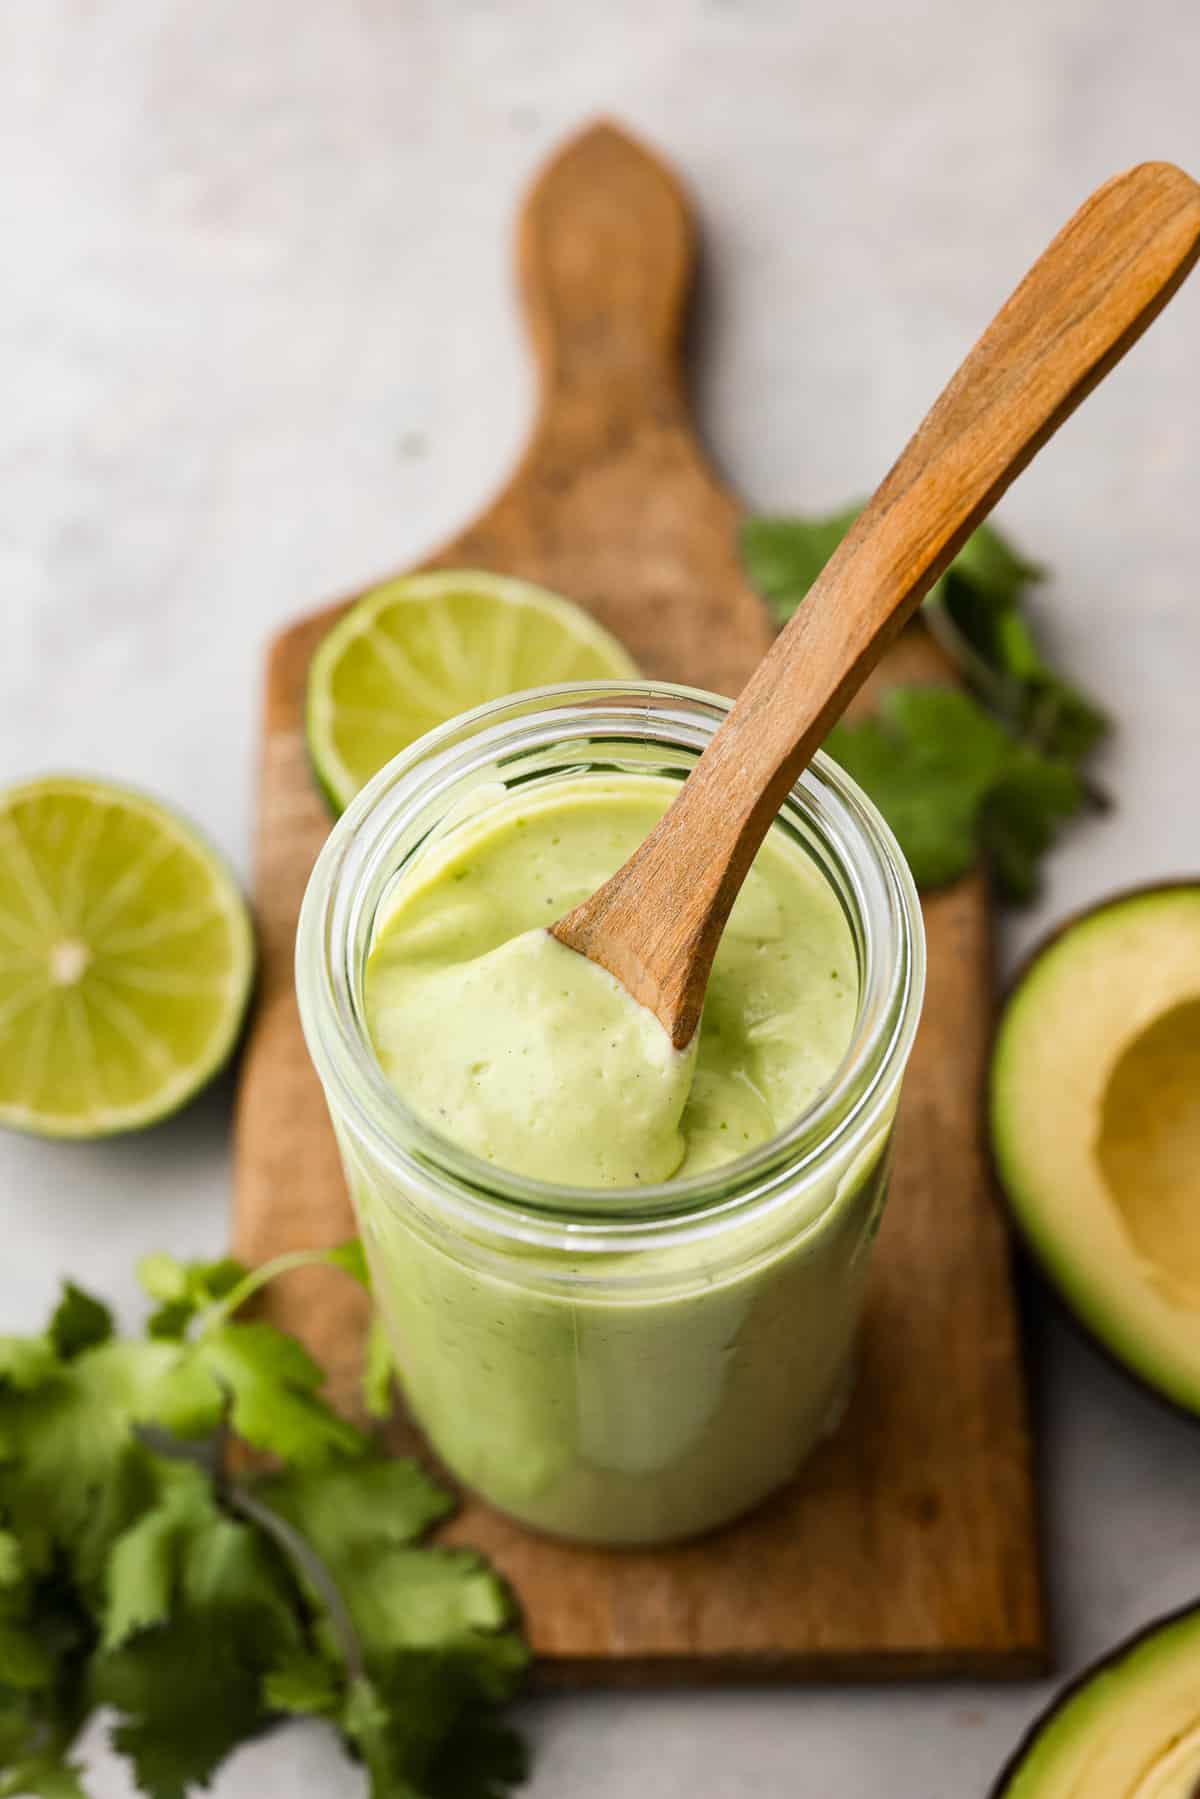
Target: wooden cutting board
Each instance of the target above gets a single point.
(908, 1546)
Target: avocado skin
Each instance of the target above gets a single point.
(1178, 884)
(1002, 1786)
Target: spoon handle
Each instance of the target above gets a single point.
(1106, 275)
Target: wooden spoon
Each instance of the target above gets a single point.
(656, 924)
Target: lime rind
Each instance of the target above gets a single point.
(420, 649)
(126, 959)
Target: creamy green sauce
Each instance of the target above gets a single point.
(540, 1062)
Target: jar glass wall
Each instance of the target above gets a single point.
(614, 1365)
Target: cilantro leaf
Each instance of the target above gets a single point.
(481, 1758)
(436, 1629)
(425, 1637)
(398, 1596)
(190, 1690)
(1004, 778)
(25, 1362)
(431, 1599)
(303, 1684)
(71, 1463)
(162, 1276)
(974, 610)
(784, 556)
(377, 1502)
(370, 1725)
(1020, 818)
(989, 565)
(12, 1561)
(927, 758)
(186, 1698)
(990, 638)
(170, 1321)
(45, 1776)
(951, 781)
(351, 1259)
(79, 1322)
(47, 1637)
(185, 1289)
(422, 1737)
(272, 1384)
(25, 1661)
(143, 1565)
(199, 1609)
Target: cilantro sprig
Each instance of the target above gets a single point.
(139, 1572)
(993, 771)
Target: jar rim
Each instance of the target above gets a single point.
(461, 1185)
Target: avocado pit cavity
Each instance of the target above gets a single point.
(1176, 1773)
(1148, 1148)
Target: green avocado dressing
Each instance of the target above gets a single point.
(540, 1062)
(631, 1394)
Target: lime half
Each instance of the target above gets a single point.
(126, 959)
(413, 653)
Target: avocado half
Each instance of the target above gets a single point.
(1129, 1728)
(1095, 1123)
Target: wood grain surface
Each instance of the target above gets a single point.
(908, 1546)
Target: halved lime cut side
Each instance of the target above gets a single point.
(418, 650)
(126, 959)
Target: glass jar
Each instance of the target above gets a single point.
(615, 1365)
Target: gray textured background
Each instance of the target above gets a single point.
(258, 345)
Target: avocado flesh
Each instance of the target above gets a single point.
(1095, 1119)
(1129, 1730)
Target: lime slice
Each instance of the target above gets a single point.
(126, 958)
(413, 653)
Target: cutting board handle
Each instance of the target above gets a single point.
(606, 252)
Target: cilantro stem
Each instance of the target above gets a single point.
(247, 1287)
(308, 1563)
